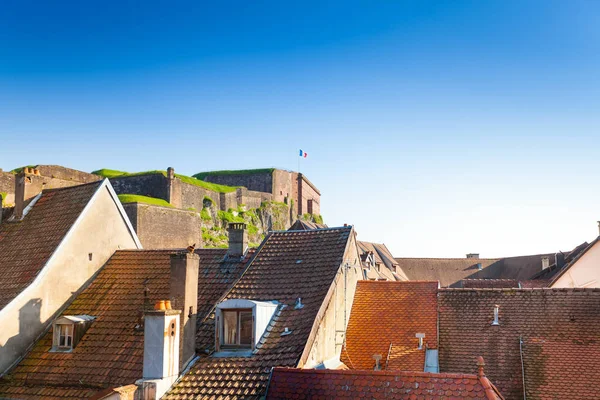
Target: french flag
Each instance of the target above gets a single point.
(303, 154)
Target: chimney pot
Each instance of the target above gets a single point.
(238, 239)
(160, 305)
(480, 365)
(168, 305)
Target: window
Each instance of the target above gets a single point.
(65, 336)
(237, 328)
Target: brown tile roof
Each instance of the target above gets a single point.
(383, 256)
(554, 271)
(561, 369)
(384, 320)
(111, 351)
(450, 271)
(274, 274)
(558, 315)
(291, 383)
(26, 246)
(47, 393)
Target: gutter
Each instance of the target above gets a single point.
(522, 366)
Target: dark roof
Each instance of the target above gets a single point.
(274, 274)
(111, 351)
(450, 271)
(291, 383)
(27, 245)
(489, 283)
(567, 316)
(302, 225)
(384, 320)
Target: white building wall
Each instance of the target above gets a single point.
(584, 273)
(100, 230)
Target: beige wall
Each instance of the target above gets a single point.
(584, 273)
(331, 330)
(100, 230)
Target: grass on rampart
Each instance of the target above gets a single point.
(20, 169)
(202, 175)
(135, 198)
(3, 196)
(112, 173)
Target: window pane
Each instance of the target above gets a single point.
(229, 327)
(246, 327)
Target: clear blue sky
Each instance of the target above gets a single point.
(439, 128)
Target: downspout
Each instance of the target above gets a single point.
(522, 366)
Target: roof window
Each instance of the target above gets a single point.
(240, 324)
(68, 331)
(496, 315)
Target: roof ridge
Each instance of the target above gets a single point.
(381, 372)
(316, 229)
(546, 289)
(98, 182)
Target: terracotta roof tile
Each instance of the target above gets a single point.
(289, 383)
(558, 315)
(26, 246)
(111, 351)
(274, 274)
(384, 319)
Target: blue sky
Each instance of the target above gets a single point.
(438, 128)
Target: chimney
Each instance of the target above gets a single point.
(238, 239)
(599, 227)
(473, 255)
(28, 184)
(184, 297)
(377, 358)
(161, 350)
(545, 262)
(480, 365)
(560, 259)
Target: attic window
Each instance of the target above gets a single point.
(68, 330)
(240, 324)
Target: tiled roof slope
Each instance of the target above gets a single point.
(553, 271)
(557, 315)
(26, 246)
(562, 369)
(384, 320)
(383, 256)
(450, 271)
(288, 265)
(287, 383)
(489, 283)
(111, 351)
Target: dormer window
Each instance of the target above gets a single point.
(68, 330)
(240, 324)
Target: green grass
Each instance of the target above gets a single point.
(228, 217)
(20, 169)
(202, 175)
(134, 198)
(204, 214)
(3, 195)
(113, 173)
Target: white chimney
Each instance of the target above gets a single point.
(545, 262)
(377, 358)
(161, 350)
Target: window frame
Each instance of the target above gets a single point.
(66, 331)
(238, 312)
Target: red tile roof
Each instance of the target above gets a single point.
(557, 315)
(562, 369)
(288, 265)
(26, 246)
(289, 383)
(46, 393)
(384, 319)
(111, 351)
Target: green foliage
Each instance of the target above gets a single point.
(134, 198)
(313, 217)
(202, 175)
(3, 195)
(206, 185)
(252, 229)
(205, 215)
(228, 217)
(207, 201)
(20, 169)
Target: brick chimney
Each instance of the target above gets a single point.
(184, 297)
(161, 350)
(28, 184)
(238, 239)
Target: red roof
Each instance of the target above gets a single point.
(288, 383)
(111, 351)
(288, 265)
(384, 320)
(26, 246)
(567, 319)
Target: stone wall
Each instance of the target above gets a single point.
(260, 182)
(151, 185)
(7, 187)
(284, 183)
(308, 193)
(164, 228)
(192, 196)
